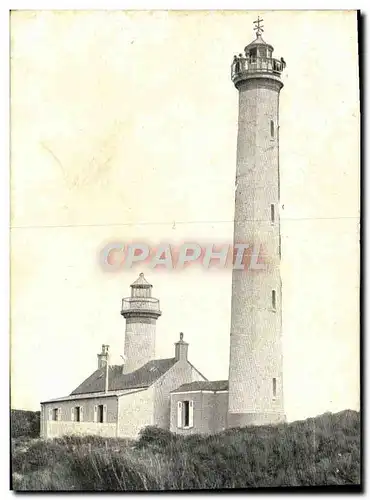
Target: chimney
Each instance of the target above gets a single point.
(103, 356)
(181, 349)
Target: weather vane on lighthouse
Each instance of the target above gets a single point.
(258, 28)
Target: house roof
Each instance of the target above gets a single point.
(94, 395)
(145, 376)
(204, 385)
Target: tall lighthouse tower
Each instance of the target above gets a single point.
(141, 312)
(255, 373)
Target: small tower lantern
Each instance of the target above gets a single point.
(141, 312)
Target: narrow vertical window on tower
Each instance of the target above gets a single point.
(272, 129)
(273, 299)
(274, 387)
(279, 245)
(272, 213)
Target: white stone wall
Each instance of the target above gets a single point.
(65, 424)
(58, 429)
(209, 412)
(135, 411)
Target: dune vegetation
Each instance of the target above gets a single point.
(315, 452)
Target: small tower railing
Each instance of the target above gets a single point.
(256, 64)
(145, 304)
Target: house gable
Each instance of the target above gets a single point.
(181, 373)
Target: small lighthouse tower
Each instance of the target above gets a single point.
(141, 312)
(255, 372)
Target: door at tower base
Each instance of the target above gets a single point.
(254, 419)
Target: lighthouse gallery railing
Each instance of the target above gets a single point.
(148, 303)
(256, 64)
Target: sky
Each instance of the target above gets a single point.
(124, 127)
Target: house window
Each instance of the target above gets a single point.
(55, 414)
(100, 414)
(77, 414)
(273, 299)
(185, 414)
(272, 213)
(272, 129)
(274, 387)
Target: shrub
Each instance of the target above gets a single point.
(157, 439)
(24, 423)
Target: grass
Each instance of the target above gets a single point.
(318, 451)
